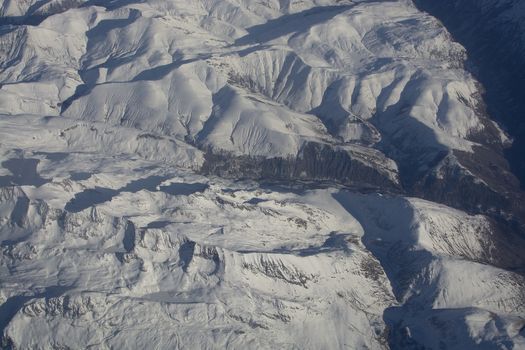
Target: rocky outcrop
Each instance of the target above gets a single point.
(478, 182)
(315, 162)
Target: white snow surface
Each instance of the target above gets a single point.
(104, 246)
(247, 77)
(111, 238)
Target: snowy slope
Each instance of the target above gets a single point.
(498, 64)
(185, 257)
(313, 174)
(268, 80)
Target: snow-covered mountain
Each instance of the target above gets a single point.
(493, 31)
(314, 174)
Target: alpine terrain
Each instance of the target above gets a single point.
(262, 174)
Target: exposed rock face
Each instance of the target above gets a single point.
(315, 162)
(476, 183)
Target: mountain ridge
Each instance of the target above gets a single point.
(251, 173)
